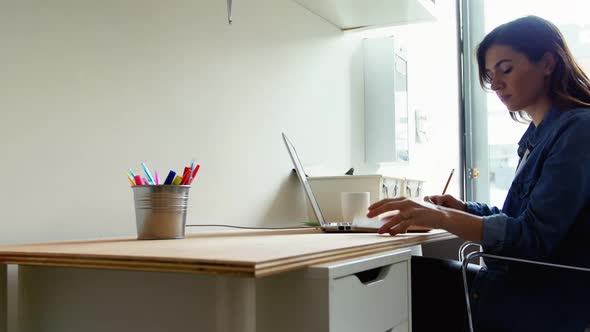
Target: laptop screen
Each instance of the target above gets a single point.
(303, 180)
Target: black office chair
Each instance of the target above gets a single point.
(480, 254)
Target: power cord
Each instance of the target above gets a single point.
(247, 227)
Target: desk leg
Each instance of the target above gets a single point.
(235, 304)
(416, 250)
(8, 297)
(3, 298)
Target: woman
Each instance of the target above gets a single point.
(546, 215)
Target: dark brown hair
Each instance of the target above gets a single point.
(533, 36)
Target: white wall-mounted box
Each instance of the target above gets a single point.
(327, 191)
(386, 101)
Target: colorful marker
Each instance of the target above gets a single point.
(157, 177)
(185, 175)
(187, 178)
(138, 180)
(150, 179)
(177, 180)
(194, 175)
(130, 179)
(170, 177)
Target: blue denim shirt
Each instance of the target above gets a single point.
(546, 217)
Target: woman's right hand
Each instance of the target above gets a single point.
(447, 201)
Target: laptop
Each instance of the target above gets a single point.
(347, 227)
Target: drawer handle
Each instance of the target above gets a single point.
(371, 276)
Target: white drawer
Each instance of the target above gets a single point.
(368, 293)
(375, 300)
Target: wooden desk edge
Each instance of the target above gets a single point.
(256, 270)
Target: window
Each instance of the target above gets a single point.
(492, 136)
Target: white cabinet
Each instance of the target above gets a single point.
(386, 102)
(370, 293)
(351, 14)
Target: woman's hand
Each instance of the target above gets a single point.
(447, 201)
(409, 212)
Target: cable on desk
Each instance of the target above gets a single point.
(247, 227)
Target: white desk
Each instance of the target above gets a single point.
(236, 281)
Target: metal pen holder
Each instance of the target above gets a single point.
(160, 211)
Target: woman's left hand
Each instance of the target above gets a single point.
(410, 212)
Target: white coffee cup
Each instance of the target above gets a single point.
(354, 205)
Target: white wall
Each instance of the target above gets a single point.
(91, 88)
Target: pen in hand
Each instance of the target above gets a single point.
(429, 200)
(448, 181)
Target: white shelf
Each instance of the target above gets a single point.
(352, 14)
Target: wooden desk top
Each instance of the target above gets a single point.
(245, 253)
